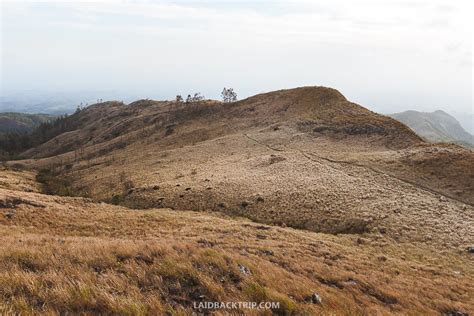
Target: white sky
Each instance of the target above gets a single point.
(386, 55)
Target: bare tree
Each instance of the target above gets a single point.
(195, 98)
(228, 95)
(198, 97)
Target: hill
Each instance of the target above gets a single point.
(437, 126)
(466, 120)
(325, 185)
(12, 122)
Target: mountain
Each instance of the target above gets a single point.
(21, 122)
(297, 196)
(466, 119)
(437, 126)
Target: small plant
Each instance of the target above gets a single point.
(228, 95)
(127, 185)
(126, 182)
(195, 98)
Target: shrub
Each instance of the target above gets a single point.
(228, 95)
(52, 184)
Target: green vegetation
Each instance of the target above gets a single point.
(13, 143)
(53, 184)
(12, 122)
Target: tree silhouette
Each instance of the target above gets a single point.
(228, 95)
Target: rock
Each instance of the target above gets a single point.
(187, 189)
(244, 204)
(316, 298)
(455, 313)
(156, 187)
(470, 249)
(266, 252)
(260, 199)
(9, 203)
(275, 159)
(350, 282)
(244, 269)
(9, 215)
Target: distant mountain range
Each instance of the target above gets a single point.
(436, 126)
(21, 122)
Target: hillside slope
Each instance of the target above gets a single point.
(303, 122)
(61, 255)
(437, 126)
(320, 110)
(303, 157)
(307, 158)
(21, 122)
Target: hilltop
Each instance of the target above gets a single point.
(319, 110)
(437, 126)
(300, 182)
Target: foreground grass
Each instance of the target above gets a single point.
(63, 255)
(89, 275)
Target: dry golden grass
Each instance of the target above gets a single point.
(305, 157)
(18, 180)
(399, 212)
(71, 255)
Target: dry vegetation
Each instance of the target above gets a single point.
(61, 254)
(379, 222)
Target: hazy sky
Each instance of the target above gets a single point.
(386, 55)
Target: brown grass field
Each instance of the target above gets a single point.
(62, 254)
(147, 208)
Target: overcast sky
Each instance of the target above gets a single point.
(386, 55)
